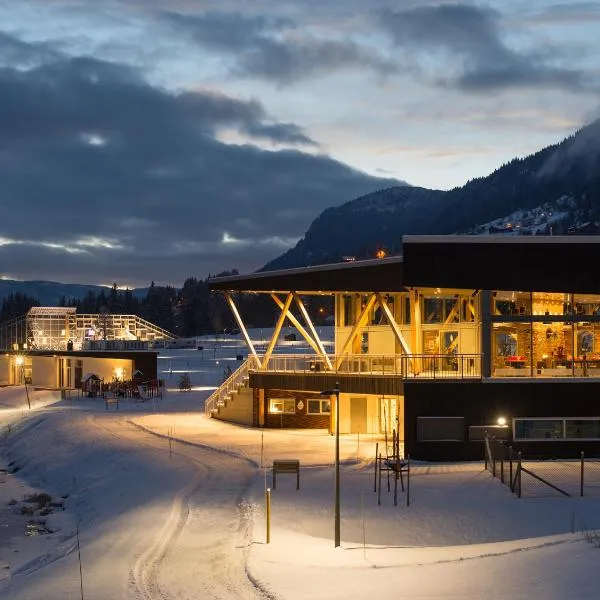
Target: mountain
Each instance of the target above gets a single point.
(555, 190)
(49, 293)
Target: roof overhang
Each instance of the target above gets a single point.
(536, 263)
(383, 274)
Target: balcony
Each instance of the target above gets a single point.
(360, 373)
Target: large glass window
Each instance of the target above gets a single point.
(512, 349)
(533, 429)
(547, 304)
(538, 429)
(512, 303)
(441, 309)
(586, 304)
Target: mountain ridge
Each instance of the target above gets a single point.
(561, 177)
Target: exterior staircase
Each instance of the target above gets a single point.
(232, 400)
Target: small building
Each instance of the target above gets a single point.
(459, 333)
(62, 369)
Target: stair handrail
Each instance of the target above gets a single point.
(230, 385)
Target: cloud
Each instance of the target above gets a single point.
(275, 48)
(105, 177)
(467, 44)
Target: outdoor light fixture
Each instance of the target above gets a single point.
(336, 392)
(501, 421)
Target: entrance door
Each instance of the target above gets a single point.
(358, 415)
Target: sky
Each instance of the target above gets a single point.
(155, 140)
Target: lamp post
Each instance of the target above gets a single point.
(20, 362)
(336, 392)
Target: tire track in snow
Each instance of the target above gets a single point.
(144, 573)
(221, 577)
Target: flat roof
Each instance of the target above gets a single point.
(360, 275)
(484, 262)
(83, 353)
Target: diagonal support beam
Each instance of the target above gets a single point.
(392, 322)
(297, 324)
(280, 322)
(453, 313)
(360, 323)
(313, 331)
(241, 325)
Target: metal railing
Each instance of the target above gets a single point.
(425, 366)
(226, 390)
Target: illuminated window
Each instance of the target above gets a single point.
(282, 406)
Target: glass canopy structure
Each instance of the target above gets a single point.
(61, 328)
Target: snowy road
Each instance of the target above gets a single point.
(155, 523)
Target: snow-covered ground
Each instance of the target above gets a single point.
(170, 505)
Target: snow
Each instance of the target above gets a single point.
(170, 504)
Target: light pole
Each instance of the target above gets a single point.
(336, 392)
(20, 362)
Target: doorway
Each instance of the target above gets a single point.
(358, 415)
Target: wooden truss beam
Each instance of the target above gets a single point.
(313, 331)
(392, 323)
(298, 325)
(280, 322)
(240, 323)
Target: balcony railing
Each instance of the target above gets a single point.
(407, 366)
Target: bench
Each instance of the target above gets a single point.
(286, 466)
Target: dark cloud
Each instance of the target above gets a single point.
(275, 48)
(16, 53)
(107, 178)
(469, 41)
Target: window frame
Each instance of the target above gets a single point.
(283, 401)
(321, 401)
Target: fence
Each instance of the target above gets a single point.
(537, 478)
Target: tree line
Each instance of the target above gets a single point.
(190, 311)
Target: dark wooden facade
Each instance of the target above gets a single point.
(482, 402)
(358, 384)
(525, 263)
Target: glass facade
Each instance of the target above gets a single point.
(543, 334)
(57, 328)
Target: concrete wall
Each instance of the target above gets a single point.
(239, 409)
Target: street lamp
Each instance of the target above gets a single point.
(20, 362)
(336, 392)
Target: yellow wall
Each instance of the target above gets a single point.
(4, 370)
(374, 419)
(105, 367)
(43, 371)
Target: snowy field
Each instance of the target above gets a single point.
(170, 505)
